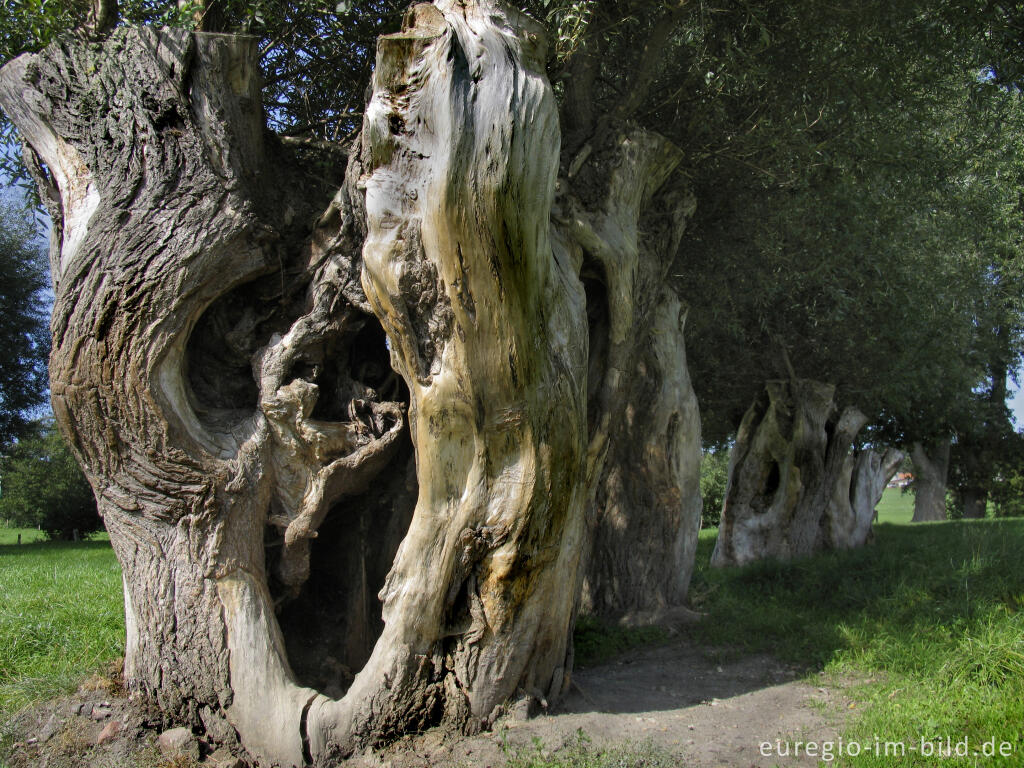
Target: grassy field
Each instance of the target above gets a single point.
(61, 616)
(28, 535)
(895, 507)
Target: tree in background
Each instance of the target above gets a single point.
(41, 485)
(714, 474)
(24, 335)
(1006, 487)
(842, 239)
(852, 211)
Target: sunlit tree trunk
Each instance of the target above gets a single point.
(860, 486)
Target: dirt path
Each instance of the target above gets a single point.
(710, 714)
(707, 713)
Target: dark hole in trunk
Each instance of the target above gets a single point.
(331, 627)
(221, 347)
(356, 367)
(598, 324)
(771, 482)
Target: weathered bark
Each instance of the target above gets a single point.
(860, 486)
(195, 309)
(224, 365)
(219, 375)
(488, 329)
(622, 221)
(789, 453)
(931, 465)
(648, 504)
(975, 503)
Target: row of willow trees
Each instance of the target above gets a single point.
(369, 321)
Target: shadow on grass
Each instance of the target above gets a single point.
(928, 578)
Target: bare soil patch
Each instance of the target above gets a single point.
(709, 710)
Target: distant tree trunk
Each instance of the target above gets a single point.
(790, 452)
(975, 502)
(972, 459)
(622, 223)
(648, 504)
(226, 337)
(931, 465)
(860, 487)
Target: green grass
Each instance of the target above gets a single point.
(895, 507)
(28, 535)
(61, 617)
(929, 620)
(596, 641)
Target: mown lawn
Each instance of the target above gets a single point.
(61, 616)
(895, 507)
(28, 535)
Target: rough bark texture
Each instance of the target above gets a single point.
(204, 336)
(790, 452)
(488, 330)
(622, 222)
(647, 505)
(219, 376)
(931, 465)
(860, 486)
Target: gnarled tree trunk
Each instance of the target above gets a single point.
(860, 486)
(648, 504)
(219, 372)
(790, 452)
(289, 398)
(622, 223)
(931, 465)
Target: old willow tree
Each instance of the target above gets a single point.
(354, 440)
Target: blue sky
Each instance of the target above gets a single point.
(1016, 403)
